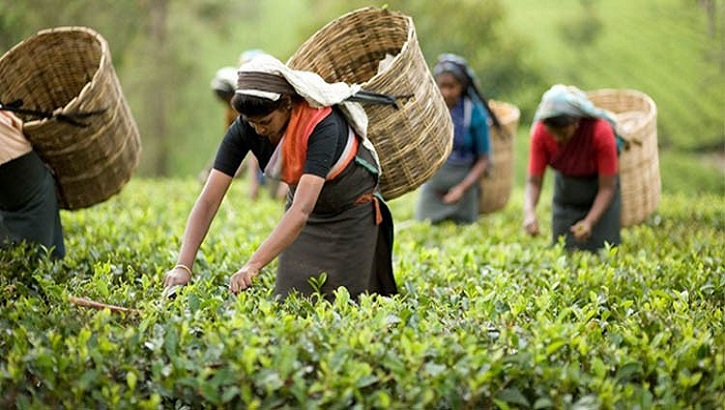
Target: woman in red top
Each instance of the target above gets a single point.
(578, 141)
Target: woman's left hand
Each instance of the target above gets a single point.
(453, 195)
(242, 279)
(581, 230)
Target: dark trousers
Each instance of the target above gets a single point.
(29, 206)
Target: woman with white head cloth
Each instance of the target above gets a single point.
(304, 132)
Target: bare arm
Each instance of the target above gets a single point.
(607, 185)
(284, 233)
(197, 226)
(532, 192)
(473, 177)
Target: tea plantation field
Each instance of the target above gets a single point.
(659, 47)
(486, 317)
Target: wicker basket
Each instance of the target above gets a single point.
(68, 70)
(497, 185)
(412, 142)
(639, 170)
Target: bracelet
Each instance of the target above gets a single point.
(184, 267)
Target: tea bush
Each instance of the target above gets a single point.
(486, 317)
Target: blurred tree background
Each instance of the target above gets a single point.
(166, 52)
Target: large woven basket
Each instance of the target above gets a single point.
(497, 185)
(639, 170)
(68, 70)
(412, 142)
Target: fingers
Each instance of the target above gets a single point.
(450, 198)
(532, 228)
(171, 280)
(581, 232)
(236, 284)
(176, 277)
(241, 281)
(168, 279)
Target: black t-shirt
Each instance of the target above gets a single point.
(324, 146)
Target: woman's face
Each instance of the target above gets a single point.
(272, 125)
(562, 134)
(450, 87)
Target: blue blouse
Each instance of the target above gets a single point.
(471, 137)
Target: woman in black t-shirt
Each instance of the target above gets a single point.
(335, 222)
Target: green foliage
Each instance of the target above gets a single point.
(692, 174)
(486, 318)
(19, 20)
(476, 30)
(670, 49)
(659, 47)
(583, 31)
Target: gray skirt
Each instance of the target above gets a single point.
(342, 239)
(573, 198)
(430, 204)
(29, 206)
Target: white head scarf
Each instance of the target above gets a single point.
(315, 90)
(225, 79)
(310, 86)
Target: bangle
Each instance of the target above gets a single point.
(184, 267)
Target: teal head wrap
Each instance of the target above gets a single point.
(569, 100)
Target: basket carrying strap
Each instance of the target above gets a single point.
(348, 153)
(70, 118)
(369, 97)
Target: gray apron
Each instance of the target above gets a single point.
(573, 198)
(341, 238)
(430, 205)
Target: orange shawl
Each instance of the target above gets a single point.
(291, 155)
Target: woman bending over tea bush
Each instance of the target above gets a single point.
(302, 131)
(578, 141)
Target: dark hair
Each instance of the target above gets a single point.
(458, 66)
(224, 95)
(251, 106)
(560, 121)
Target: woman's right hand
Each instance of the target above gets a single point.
(242, 279)
(177, 276)
(531, 225)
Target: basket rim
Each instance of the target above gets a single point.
(105, 55)
(513, 111)
(362, 11)
(651, 112)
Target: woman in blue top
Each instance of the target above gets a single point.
(453, 192)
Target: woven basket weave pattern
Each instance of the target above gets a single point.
(70, 69)
(412, 142)
(639, 170)
(496, 187)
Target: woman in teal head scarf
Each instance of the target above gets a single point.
(578, 141)
(453, 192)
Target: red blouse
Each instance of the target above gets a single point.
(591, 151)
